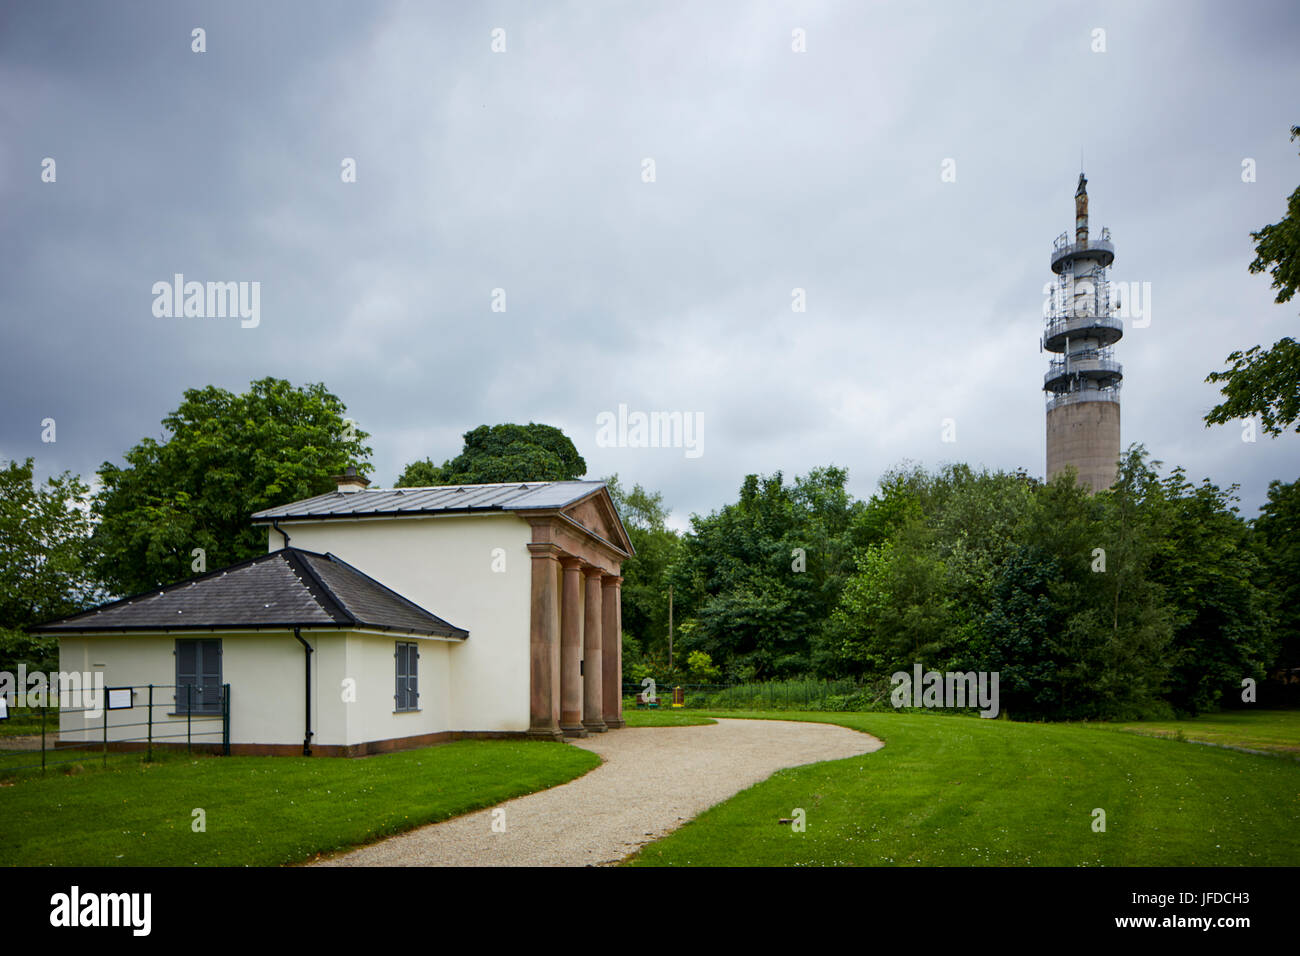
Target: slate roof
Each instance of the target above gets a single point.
(441, 499)
(280, 590)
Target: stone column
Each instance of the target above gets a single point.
(612, 649)
(544, 644)
(593, 674)
(571, 650)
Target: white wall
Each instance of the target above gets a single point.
(444, 564)
(264, 669)
(265, 672)
(370, 662)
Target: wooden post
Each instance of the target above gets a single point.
(670, 629)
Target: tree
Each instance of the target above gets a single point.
(897, 610)
(1261, 382)
(1073, 622)
(1278, 246)
(1133, 629)
(502, 453)
(226, 457)
(43, 532)
(978, 520)
(1278, 531)
(699, 666)
(421, 474)
(639, 509)
(1035, 632)
(757, 579)
(1149, 597)
(645, 583)
(1267, 382)
(1016, 639)
(1210, 569)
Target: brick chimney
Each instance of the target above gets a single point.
(350, 481)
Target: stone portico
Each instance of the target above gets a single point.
(576, 627)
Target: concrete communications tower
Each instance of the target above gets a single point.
(1082, 385)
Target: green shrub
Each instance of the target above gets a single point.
(19, 647)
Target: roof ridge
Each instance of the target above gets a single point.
(335, 559)
(318, 588)
(438, 499)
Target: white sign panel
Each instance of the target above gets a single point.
(119, 698)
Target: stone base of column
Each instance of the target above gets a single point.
(573, 730)
(614, 724)
(545, 735)
(595, 726)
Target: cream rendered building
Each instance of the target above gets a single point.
(381, 619)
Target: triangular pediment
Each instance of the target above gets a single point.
(598, 515)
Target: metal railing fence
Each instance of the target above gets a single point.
(193, 724)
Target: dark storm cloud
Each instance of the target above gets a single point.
(522, 171)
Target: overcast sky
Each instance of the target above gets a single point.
(525, 171)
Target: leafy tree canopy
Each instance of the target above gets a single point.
(43, 532)
(1278, 527)
(502, 453)
(757, 579)
(1266, 382)
(645, 577)
(43, 529)
(225, 456)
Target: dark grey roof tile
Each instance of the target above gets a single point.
(286, 588)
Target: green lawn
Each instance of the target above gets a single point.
(27, 720)
(262, 810)
(961, 791)
(663, 718)
(1276, 731)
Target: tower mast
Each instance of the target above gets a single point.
(1082, 385)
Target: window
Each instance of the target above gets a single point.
(198, 676)
(408, 677)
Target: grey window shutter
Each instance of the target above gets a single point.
(210, 676)
(399, 669)
(410, 670)
(187, 669)
(407, 670)
(415, 675)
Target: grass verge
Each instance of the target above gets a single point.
(263, 811)
(1273, 731)
(664, 718)
(961, 791)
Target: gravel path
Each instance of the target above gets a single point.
(653, 780)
